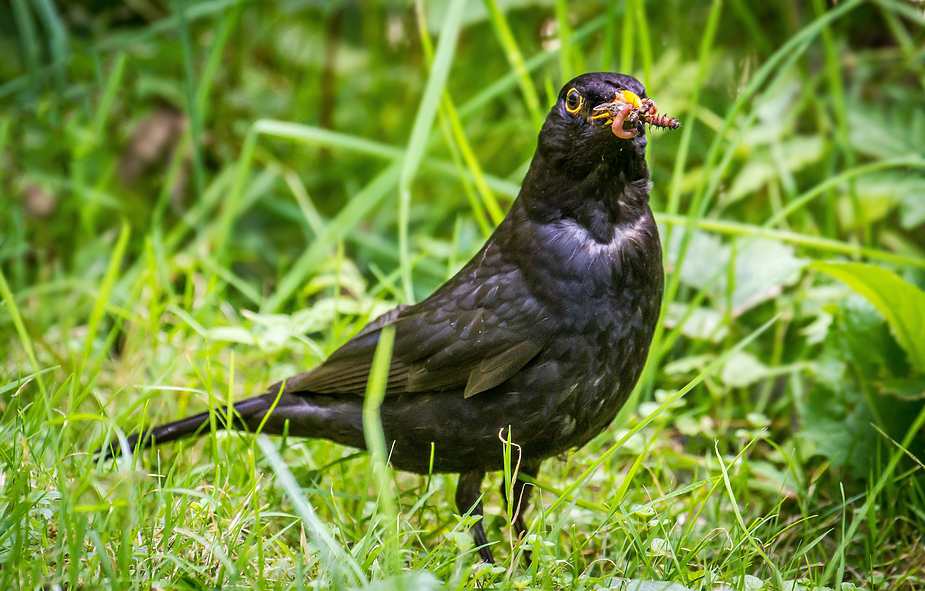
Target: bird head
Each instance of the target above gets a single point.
(596, 120)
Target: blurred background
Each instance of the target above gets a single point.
(201, 197)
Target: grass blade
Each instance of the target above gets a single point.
(376, 444)
(427, 110)
(347, 218)
(105, 290)
(109, 95)
(23, 334)
(516, 59)
(338, 561)
(192, 105)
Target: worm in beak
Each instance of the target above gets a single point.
(626, 110)
(619, 119)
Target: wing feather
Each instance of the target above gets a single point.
(496, 370)
(477, 331)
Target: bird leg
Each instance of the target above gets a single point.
(520, 493)
(468, 500)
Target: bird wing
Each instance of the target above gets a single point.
(473, 333)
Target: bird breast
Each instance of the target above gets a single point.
(585, 246)
(583, 269)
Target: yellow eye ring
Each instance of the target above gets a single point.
(573, 101)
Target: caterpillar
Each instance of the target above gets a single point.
(649, 113)
(662, 121)
(644, 110)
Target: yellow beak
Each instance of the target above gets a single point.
(631, 98)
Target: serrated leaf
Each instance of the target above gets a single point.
(902, 304)
(701, 323)
(878, 195)
(874, 132)
(642, 585)
(906, 389)
(743, 370)
(231, 334)
(912, 207)
(706, 256)
(688, 364)
(461, 540)
(793, 585)
(753, 176)
(760, 266)
(419, 581)
(816, 332)
(798, 152)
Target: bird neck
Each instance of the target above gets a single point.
(606, 194)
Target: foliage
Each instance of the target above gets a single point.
(901, 304)
(202, 197)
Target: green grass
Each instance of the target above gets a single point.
(308, 168)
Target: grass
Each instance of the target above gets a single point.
(307, 169)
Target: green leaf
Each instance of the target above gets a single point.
(698, 323)
(905, 388)
(760, 169)
(912, 207)
(419, 580)
(643, 585)
(743, 370)
(879, 194)
(902, 304)
(877, 132)
(762, 266)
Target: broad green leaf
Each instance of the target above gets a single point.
(743, 370)
(707, 255)
(905, 388)
(879, 194)
(643, 585)
(762, 266)
(912, 207)
(688, 364)
(902, 304)
(874, 131)
(417, 581)
(798, 153)
(701, 323)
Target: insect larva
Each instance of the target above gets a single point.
(646, 111)
(662, 121)
(649, 114)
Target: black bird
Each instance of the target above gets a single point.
(544, 332)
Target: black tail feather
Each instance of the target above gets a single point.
(242, 413)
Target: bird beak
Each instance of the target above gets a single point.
(622, 114)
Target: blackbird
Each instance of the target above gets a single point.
(540, 337)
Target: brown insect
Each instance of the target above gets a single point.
(644, 110)
(649, 114)
(662, 121)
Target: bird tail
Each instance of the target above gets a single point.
(241, 414)
(304, 415)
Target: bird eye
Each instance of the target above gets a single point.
(573, 101)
